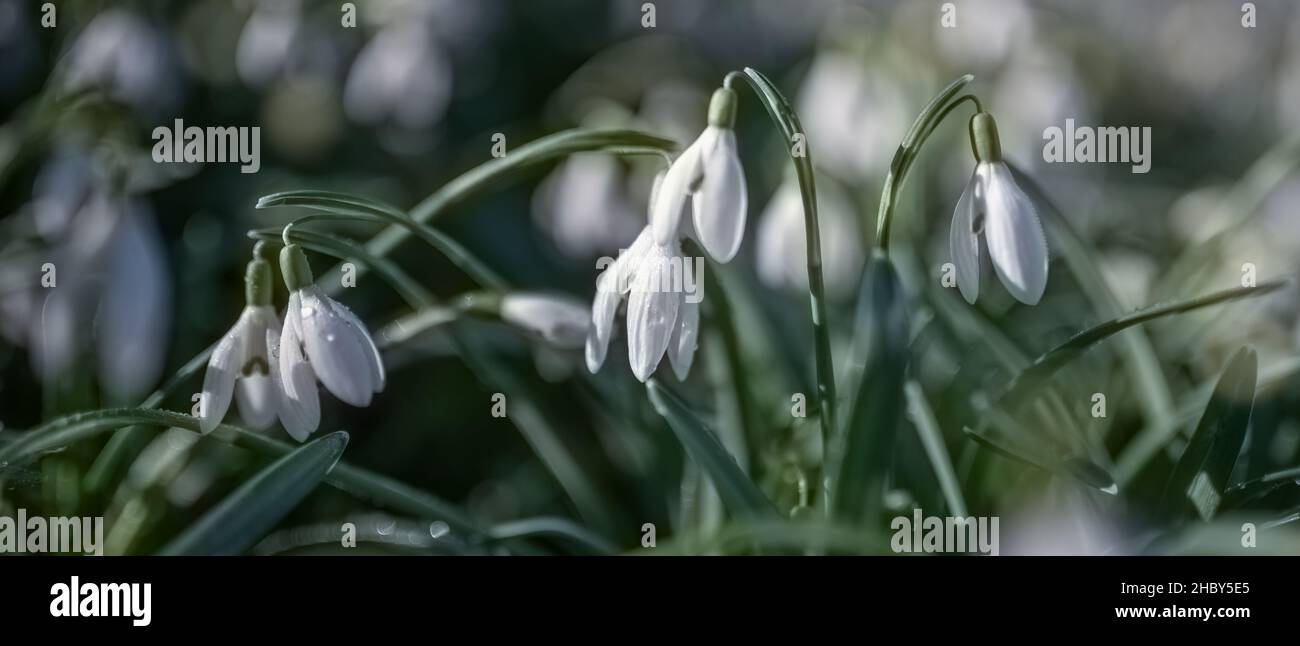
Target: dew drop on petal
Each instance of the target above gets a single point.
(438, 529)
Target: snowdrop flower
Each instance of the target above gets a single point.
(240, 364)
(995, 210)
(709, 173)
(108, 289)
(661, 318)
(560, 321)
(127, 57)
(266, 40)
(400, 78)
(782, 251)
(321, 339)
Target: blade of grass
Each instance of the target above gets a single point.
(1139, 357)
(1202, 472)
(1151, 439)
(558, 527)
(240, 520)
(738, 492)
(1024, 385)
(364, 484)
(864, 449)
(927, 428)
(498, 170)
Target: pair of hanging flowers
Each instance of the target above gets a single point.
(271, 369)
(993, 217)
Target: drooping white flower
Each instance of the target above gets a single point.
(321, 339)
(995, 211)
(782, 251)
(708, 172)
(558, 320)
(662, 318)
(240, 364)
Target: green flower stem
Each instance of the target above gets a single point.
(935, 112)
(788, 123)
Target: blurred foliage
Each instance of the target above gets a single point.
(398, 107)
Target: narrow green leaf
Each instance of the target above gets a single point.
(1080, 469)
(1206, 464)
(927, 428)
(496, 171)
(737, 491)
(1024, 385)
(559, 527)
(1139, 356)
(367, 485)
(251, 510)
(864, 449)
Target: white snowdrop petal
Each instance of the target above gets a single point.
(336, 349)
(603, 309)
(300, 404)
(258, 399)
(681, 348)
(377, 373)
(721, 204)
(670, 198)
(219, 380)
(651, 313)
(963, 240)
(1015, 237)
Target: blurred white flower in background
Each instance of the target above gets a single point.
(266, 40)
(1064, 522)
(111, 284)
(562, 321)
(782, 254)
(401, 78)
(985, 32)
(854, 114)
(125, 56)
(1035, 91)
(584, 205)
(1202, 49)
